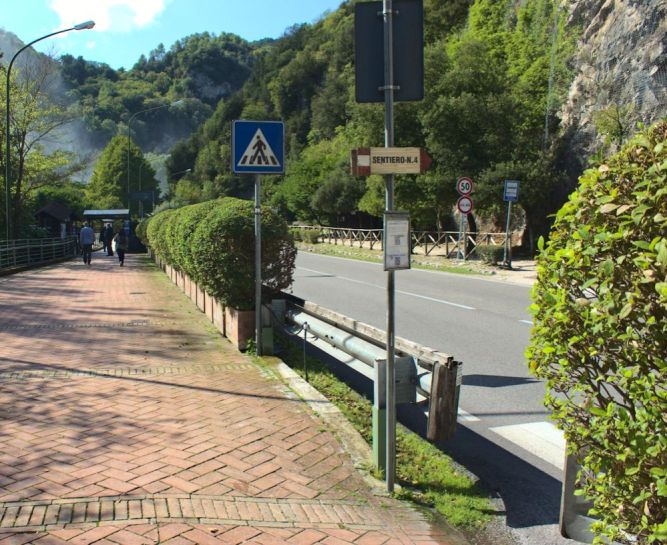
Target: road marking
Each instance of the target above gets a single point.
(526, 322)
(408, 293)
(465, 416)
(541, 439)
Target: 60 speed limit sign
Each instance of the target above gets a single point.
(464, 204)
(464, 186)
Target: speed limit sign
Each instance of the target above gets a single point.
(464, 186)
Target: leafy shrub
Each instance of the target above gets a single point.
(296, 233)
(489, 253)
(214, 243)
(600, 336)
(156, 233)
(223, 252)
(140, 231)
(310, 236)
(189, 219)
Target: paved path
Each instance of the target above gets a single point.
(126, 419)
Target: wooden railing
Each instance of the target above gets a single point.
(446, 243)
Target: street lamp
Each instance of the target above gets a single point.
(81, 26)
(129, 125)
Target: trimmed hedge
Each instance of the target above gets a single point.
(600, 336)
(214, 243)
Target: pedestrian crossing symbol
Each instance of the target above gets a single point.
(257, 147)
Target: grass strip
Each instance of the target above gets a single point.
(426, 475)
(375, 256)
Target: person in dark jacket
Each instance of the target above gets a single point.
(120, 243)
(108, 237)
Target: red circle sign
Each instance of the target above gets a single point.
(464, 186)
(464, 204)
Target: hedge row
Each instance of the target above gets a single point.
(214, 244)
(600, 336)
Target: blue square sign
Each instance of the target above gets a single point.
(258, 147)
(511, 193)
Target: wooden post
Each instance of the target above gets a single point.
(443, 405)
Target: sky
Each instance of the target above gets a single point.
(126, 29)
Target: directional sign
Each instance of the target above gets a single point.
(464, 204)
(511, 193)
(258, 147)
(464, 186)
(366, 161)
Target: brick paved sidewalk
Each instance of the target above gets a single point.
(126, 419)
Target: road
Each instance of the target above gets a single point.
(504, 435)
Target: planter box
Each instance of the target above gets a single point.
(239, 326)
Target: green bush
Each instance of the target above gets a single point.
(600, 336)
(310, 236)
(297, 234)
(189, 219)
(140, 231)
(214, 243)
(489, 253)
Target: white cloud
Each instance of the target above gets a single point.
(109, 15)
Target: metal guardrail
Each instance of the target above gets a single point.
(429, 241)
(27, 252)
(421, 372)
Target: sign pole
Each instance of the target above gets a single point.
(258, 266)
(388, 16)
(507, 258)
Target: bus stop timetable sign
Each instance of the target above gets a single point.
(258, 147)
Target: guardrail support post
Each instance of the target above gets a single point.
(380, 415)
(443, 407)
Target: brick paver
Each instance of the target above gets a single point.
(125, 418)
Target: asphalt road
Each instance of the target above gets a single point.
(503, 433)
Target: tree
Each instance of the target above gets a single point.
(34, 121)
(109, 184)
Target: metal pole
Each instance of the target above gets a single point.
(388, 15)
(258, 266)
(507, 258)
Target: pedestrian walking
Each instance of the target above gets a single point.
(108, 237)
(120, 245)
(102, 239)
(87, 238)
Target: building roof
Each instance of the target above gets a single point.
(113, 213)
(56, 210)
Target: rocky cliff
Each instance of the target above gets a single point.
(620, 73)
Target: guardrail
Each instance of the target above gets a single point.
(27, 252)
(421, 372)
(427, 241)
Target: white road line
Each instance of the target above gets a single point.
(541, 439)
(410, 294)
(526, 322)
(465, 416)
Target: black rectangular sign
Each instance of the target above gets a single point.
(408, 34)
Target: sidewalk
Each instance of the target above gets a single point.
(126, 419)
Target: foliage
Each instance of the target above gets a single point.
(109, 184)
(490, 253)
(214, 243)
(600, 336)
(33, 121)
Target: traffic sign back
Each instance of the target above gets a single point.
(258, 147)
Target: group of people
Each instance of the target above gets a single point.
(110, 242)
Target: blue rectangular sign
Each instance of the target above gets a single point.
(511, 190)
(258, 147)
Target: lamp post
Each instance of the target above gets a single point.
(81, 26)
(129, 126)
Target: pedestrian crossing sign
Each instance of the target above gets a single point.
(258, 147)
